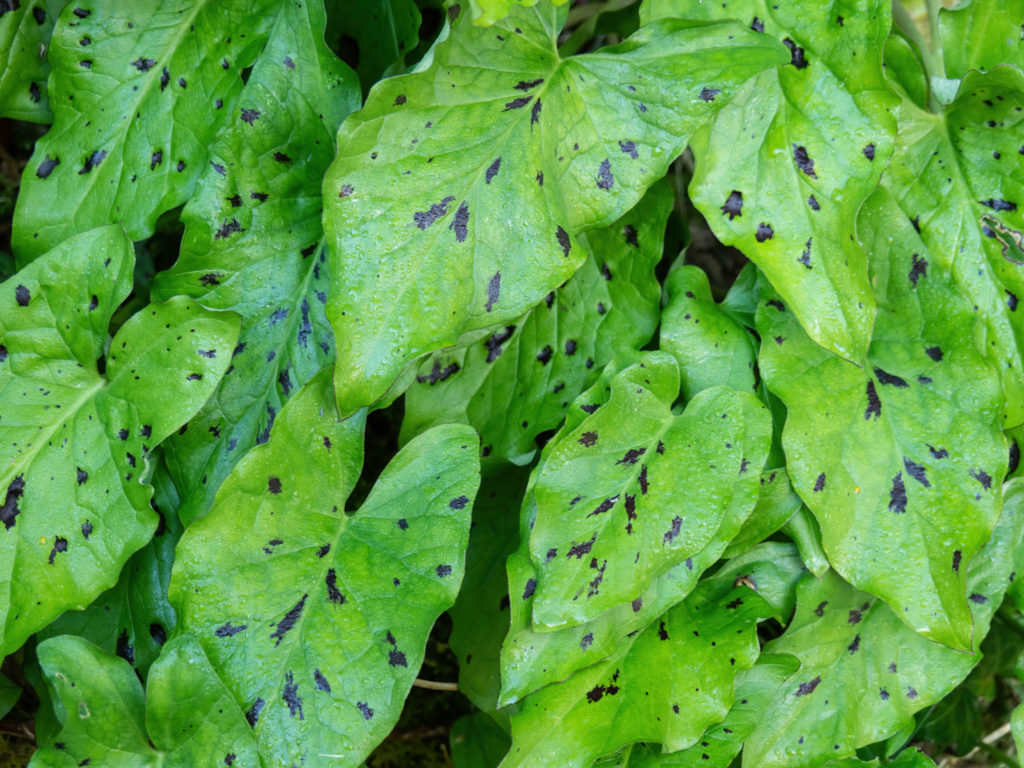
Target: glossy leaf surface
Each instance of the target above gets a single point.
(295, 601)
(783, 169)
(862, 670)
(891, 457)
(483, 229)
(709, 346)
(186, 718)
(74, 442)
(665, 684)
(140, 90)
(252, 244)
(957, 176)
(516, 383)
(133, 619)
(25, 30)
(609, 519)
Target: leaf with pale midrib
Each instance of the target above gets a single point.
(479, 227)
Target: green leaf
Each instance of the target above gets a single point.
(776, 503)
(25, 35)
(480, 616)
(981, 34)
(133, 618)
(612, 493)
(720, 743)
(10, 692)
(252, 245)
(903, 64)
(901, 461)
(1017, 726)
(515, 385)
(782, 170)
(486, 221)
(188, 717)
(381, 32)
(317, 619)
(74, 443)
(477, 742)
(134, 94)
(957, 176)
(487, 12)
(532, 658)
(908, 758)
(862, 670)
(665, 684)
(709, 346)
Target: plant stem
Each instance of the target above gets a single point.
(998, 754)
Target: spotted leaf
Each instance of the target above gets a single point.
(134, 112)
(253, 245)
(665, 684)
(900, 462)
(782, 170)
(317, 619)
(709, 346)
(25, 30)
(957, 177)
(75, 443)
(515, 385)
(186, 717)
(482, 230)
(862, 669)
(634, 490)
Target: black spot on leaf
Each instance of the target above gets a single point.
(525, 85)
(83, 476)
(60, 544)
(443, 570)
(803, 161)
(869, 151)
(898, 495)
(764, 232)
(227, 229)
(274, 484)
(253, 715)
(708, 94)
(493, 291)
(588, 439)
(494, 341)
(321, 681)
(874, 404)
(982, 477)
(629, 148)
(158, 633)
(165, 78)
(757, 25)
(86, 530)
(230, 630)
(46, 167)
(805, 256)
(940, 453)
(796, 54)
(673, 531)
(143, 64)
(999, 205)
(889, 379)
(581, 549)
(935, 353)
(978, 598)
(819, 483)
(632, 455)
(458, 502)
(286, 623)
(362, 706)
(437, 373)
(517, 103)
(544, 356)
(605, 180)
(918, 269)
(530, 588)
(492, 171)
(333, 594)
(535, 114)
(917, 472)
(424, 219)
(460, 223)
(808, 687)
(563, 240)
(733, 205)
(855, 645)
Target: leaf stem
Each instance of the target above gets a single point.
(929, 50)
(419, 682)
(998, 754)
